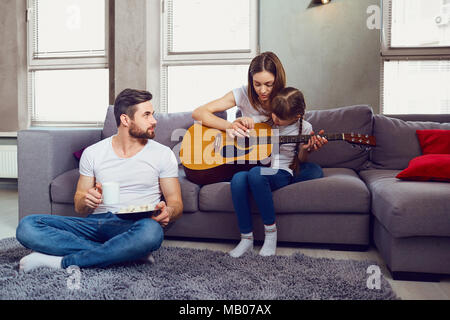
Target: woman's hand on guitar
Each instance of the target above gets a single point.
(316, 142)
(240, 127)
(247, 122)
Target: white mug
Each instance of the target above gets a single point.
(111, 192)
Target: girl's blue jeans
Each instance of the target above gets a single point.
(260, 182)
(98, 240)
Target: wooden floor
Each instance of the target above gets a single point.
(404, 289)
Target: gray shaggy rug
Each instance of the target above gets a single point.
(192, 274)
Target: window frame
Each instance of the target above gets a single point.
(60, 62)
(389, 53)
(221, 57)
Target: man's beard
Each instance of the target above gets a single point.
(137, 133)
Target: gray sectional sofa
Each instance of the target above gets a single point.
(357, 202)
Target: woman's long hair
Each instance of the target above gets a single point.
(266, 61)
(288, 104)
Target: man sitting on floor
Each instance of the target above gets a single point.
(144, 169)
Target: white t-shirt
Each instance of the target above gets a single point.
(137, 176)
(283, 159)
(243, 104)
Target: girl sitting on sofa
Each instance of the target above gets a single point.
(287, 112)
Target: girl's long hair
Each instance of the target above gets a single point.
(266, 61)
(288, 104)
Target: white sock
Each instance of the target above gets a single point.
(149, 258)
(36, 260)
(245, 245)
(270, 241)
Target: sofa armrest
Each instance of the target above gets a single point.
(43, 154)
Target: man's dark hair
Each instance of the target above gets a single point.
(126, 102)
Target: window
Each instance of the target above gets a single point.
(207, 46)
(68, 61)
(416, 56)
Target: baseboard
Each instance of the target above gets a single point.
(349, 247)
(308, 245)
(8, 184)
(207, 240)
(326, 246)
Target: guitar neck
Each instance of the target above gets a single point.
(300, 139)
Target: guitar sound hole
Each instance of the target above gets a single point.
(233, 152)
(245, 142)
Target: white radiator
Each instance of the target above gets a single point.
(8, 161)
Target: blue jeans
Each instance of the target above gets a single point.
(98, 240)
(308, 171)
(261, 184)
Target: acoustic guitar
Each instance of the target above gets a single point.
(208, 155)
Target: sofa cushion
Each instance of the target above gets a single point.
(170, 127)
(340, 154)
(79, 153)
(63, 187)
(397, 141)
(166, 128)
(109, 126)
(409, 208)
(429, 167)
(189, 192)
(340, 190)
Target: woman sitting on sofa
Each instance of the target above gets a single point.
(266, 78)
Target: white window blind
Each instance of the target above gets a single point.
(71, 96)
(68, 61)
(207, 47)
(192, 86)
(420, 23)
(415, 57)
(68, 28)
(417, 87)
(209, 25)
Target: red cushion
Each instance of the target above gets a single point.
(430, 167)
(434, 141)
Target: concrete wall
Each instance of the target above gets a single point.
(328, 51)
(136, 47)
(130, 54)
(13, 72)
